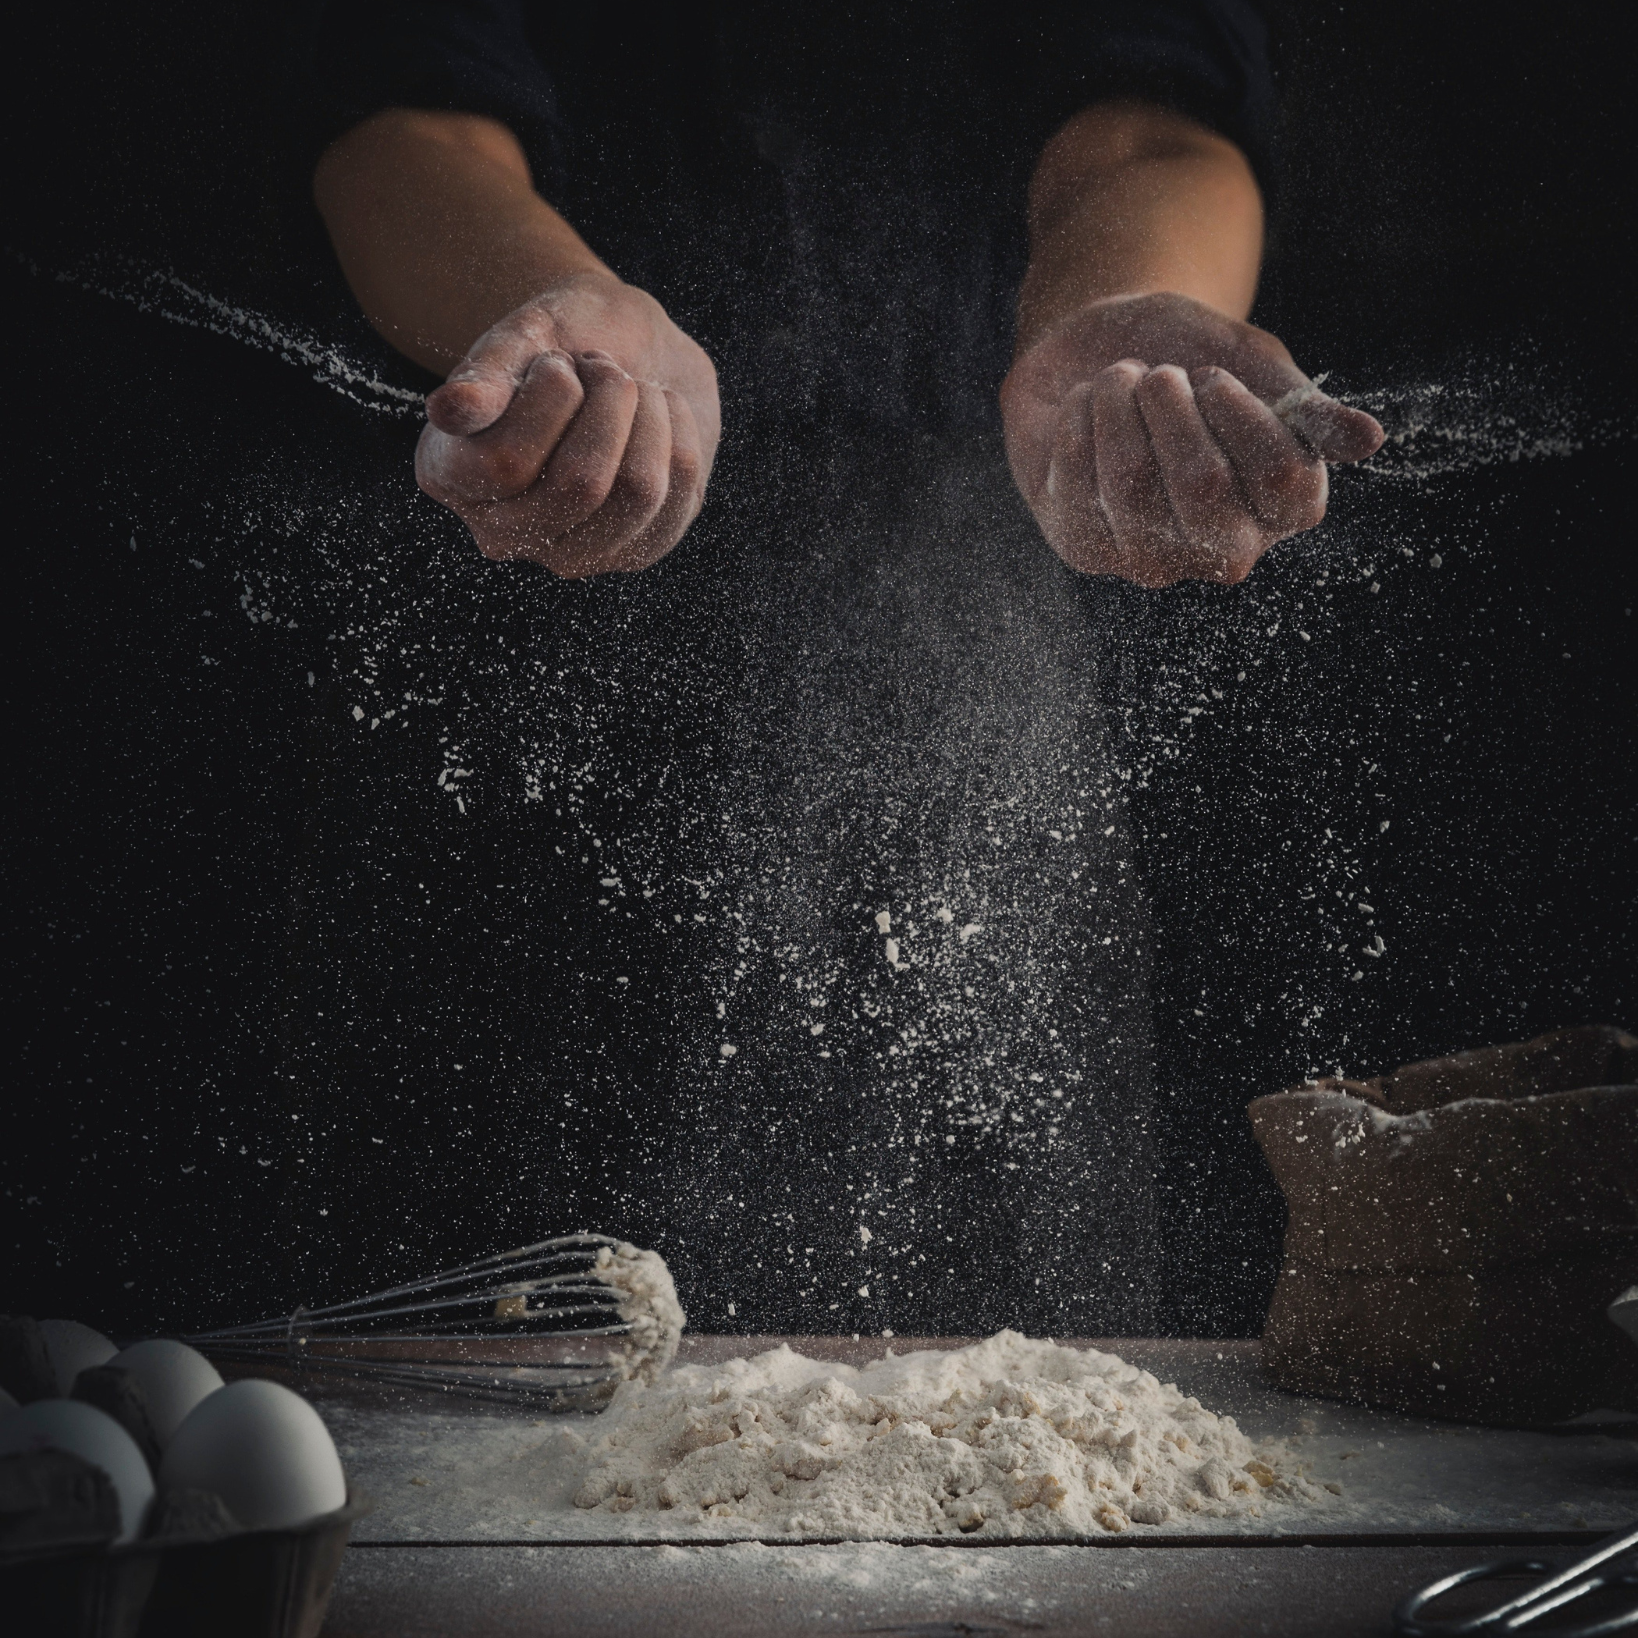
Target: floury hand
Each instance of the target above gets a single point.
(1154, 433)
(578, 432)
(1158, 439)
(577, 424)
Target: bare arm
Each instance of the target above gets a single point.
(439, 230)
(1139, 409)
(1130, 200)
(578, 423)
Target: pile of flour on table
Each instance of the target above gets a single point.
(1007, 1437)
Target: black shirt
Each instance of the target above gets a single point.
(832, 202)
(831, 197)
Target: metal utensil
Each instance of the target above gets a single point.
(559, 1324)
(1596, 1571)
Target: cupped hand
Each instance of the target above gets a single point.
(578, 432)
(1157, 439)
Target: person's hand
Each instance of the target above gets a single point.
(578, 432)
(1157, 439)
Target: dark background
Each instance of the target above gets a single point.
(195, 857)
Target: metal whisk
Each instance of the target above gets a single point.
(546, 1324)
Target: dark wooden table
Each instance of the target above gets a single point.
(1194, 1592)
(418, 1567)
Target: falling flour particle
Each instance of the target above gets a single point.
(1006, 1437)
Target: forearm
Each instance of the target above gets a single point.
(1129, 199)
(439, 230)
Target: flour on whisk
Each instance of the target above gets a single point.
(648, 1303)
(1007, 1437)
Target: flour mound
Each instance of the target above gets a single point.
(1007, 1437)
(648, 1303)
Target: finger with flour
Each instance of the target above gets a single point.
(630, 501)
(684, 491)
(507, 456)
(480, 387)
(1072, 511)
(1149, 547)
(1336, 431)
(1207, 500)
(1285, 484)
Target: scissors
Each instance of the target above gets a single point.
(1598, 1570)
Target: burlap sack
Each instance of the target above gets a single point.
(1457, 1230)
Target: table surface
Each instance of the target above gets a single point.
(473, 1531)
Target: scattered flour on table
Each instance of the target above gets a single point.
(1007, 1437)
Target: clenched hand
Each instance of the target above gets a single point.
(1157, 439)
(578, 432)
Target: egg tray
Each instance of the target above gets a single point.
(251, 1584)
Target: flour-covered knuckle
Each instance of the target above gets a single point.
(1084, 539)
(689, 465)
(505, 532)
(526, 528)
(545, 404)
(1223, 555)
(1290, 497)
(1128, 477)
(1230, 563)
(494, 470)
(1207, 500)
(432, 456)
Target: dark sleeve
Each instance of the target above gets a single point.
(347, 59)
(1208, 59)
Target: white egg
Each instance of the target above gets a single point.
(173, 1378)
(264, 1450)
(73, 1348)
(85, 1431)
(1624, 1311)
